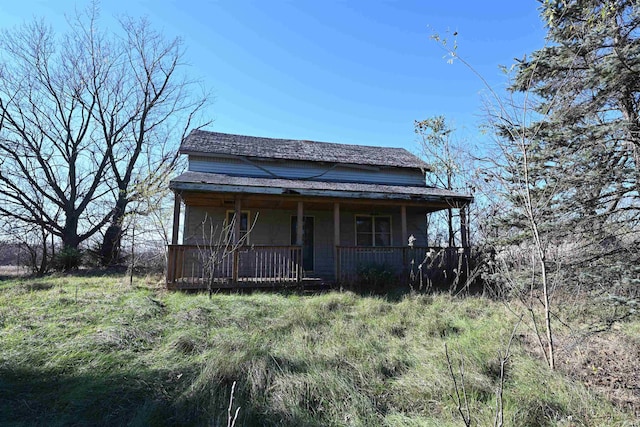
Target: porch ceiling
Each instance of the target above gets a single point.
(217, 190)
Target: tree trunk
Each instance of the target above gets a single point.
(110, 250)
(547, 317)
(69, 257)
(70, 237)
(44, 261)
(452, 238)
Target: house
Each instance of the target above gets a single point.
(261, 211)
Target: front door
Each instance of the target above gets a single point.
(307, 240)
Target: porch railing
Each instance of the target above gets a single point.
(436, 261)
(194, 266)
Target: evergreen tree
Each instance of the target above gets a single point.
(587, 84)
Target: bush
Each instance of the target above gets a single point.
(376, 277)
(67, 259)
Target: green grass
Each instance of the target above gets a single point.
(94, 351)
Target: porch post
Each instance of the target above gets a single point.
(336, 240)
(236, 239)
(237, 215)
(403, 222)
(464, 228)
(299, 241)
(299, 229)
(176, 218)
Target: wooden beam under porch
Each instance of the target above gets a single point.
(290, 202)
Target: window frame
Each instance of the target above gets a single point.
(243, 232)
(373, 233)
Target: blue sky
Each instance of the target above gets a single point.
(356, 72)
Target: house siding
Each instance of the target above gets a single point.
(416, 225)
(305, 170)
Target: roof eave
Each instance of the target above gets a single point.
(346, 194)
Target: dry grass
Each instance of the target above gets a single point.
(13, 271)
(94, 350)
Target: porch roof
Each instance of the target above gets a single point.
(218, 183)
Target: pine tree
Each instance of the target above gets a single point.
(587, 84)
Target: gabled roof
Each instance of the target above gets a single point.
(216, 143)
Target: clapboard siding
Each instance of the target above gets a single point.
(305, 170)
(416, 225)
(273, 227)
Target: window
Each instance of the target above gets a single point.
(244, 224)
(373, 230)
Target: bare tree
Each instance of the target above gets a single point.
(52, 161)
(89, 122)
(524, 184)
(146, 112)
(444, 155)
(519, 175)
(220, 246)
(32, 242)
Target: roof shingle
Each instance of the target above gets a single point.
(206, 142)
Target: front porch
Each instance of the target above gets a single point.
(256, 266)
(241, 232)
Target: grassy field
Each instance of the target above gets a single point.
(95, 351)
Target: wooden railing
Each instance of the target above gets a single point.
(197, 267)
(398, 260)
(194, 266)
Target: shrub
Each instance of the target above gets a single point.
(376, 277)
(67, 259)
